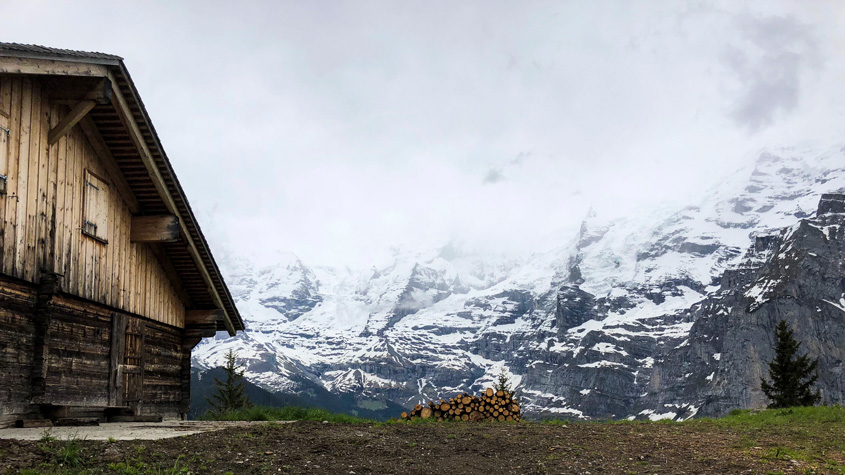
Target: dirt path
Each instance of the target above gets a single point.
(125, 430)
(310, 447)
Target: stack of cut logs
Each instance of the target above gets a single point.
(491, 405)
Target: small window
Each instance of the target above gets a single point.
(4, 151)
(96, 219)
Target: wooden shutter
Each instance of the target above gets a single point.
(96, 207)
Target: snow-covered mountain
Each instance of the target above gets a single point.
(598, 326)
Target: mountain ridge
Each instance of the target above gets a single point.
(580, 327)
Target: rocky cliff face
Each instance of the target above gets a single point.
(666, 314)
(797, 275)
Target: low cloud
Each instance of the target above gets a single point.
(770, 69)
(494, 175)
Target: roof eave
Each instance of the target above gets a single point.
(234, 319)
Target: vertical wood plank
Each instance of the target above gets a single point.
(142, 297)
(61, 196)
(11, 201)
(125, 258)
(116, 355)
(23, 177)
(114, 244)
(117, 264)
(149, 284)
(5, 104)
(143, 353)
(32, 192)
(77, 261)
(132, 284)
(139, 279)
(158, 290)
(70, 204)
(50, 198)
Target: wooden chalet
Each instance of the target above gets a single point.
(106, 280)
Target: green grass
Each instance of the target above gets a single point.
(782, 417)
(289, 413)
(807, 434)
(70, 454)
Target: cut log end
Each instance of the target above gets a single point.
(488, 405)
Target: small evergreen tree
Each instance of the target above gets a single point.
(230, 395)
(792, 376)
(504, 382)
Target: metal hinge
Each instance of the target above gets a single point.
(92, 185)
(4, 129)
(89, 223)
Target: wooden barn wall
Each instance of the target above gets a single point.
(163, 381)
(42, 215)
(80, 342)
(17, 306)
(78, 355)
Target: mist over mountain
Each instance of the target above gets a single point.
(663, 313)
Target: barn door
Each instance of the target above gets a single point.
(133, 365)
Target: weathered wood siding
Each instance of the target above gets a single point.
(80, 341)
(42, 214)
(79, 338)
(17, 305)
(79, 345)
(163, 377)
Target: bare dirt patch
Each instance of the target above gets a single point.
(313, 447)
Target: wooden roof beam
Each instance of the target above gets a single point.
(193, 331)
(52, 67)
(79, 111)
(204, 316)
(163, 228)
(71, 90)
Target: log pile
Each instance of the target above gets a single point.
(491, 405)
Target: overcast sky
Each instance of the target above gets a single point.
(337, 129)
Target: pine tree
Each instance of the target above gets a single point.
(504, 383)
(230, 395)
(792, 376)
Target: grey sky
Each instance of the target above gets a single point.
(337, 129)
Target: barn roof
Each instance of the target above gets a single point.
(36, 51)
(156, 189)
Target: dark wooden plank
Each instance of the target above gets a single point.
(27, 423)
(118, 345)
(77, 421)
(136, 418)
